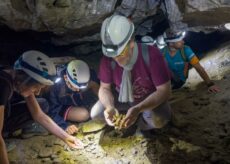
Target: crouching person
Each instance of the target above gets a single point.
(33, 71)
(143, 85)
(179, 57)
(72, 97)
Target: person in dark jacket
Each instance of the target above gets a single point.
(71, 98)
(32, 72)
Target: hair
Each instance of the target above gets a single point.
(23, 78)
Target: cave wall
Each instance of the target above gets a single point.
(83, 17)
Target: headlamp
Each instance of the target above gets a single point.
(111, 48)
(77, 84)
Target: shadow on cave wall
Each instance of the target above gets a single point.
(13, 44)
(202, 43)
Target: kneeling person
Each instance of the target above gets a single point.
(179, 57)
(70, 99)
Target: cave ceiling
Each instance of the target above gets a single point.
(72, 21)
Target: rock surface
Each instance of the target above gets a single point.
(80, 20)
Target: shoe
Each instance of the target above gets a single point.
(33, 129)
(10, 145)
(143, 124)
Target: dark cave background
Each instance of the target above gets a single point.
(14, 43)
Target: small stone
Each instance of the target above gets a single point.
(144, 144)
(56, 161)
(92, 148)
(134, 151)
(59, 142)
(46, 160)
(122, 154)
(45, 153)
(143, 141)
(207, 130)
(120, 149)
(54, 156)
(119, 162)
(62, 3)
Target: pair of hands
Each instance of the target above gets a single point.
(130, 117)
(72, 141)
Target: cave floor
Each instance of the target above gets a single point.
(199, 133)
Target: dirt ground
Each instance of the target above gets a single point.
(198, 134)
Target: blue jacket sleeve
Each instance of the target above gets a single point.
(55, 107)
(188, 53)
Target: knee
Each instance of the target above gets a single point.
(78, 114)
(97, 111)
(84, 115)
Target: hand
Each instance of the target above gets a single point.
(109, 113)
(130, 118)
(73, 142)
(71, 129)
(214, 89)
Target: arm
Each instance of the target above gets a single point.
(3, 153)
(161, 95)
(107, 99)
(202, 73)
(174, 16)
(211, 86)
(126, 8)
(106, 96)
(48, 123)
(55, 108)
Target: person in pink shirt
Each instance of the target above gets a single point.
(143, 86)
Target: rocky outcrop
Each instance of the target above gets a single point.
(57, 16)
(81, 19)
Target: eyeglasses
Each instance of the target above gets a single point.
(124, 52)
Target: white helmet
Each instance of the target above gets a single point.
(78, 74)
(148, 40)
(38, 66)
(170, 36)
(116, 31)
(160, 42)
